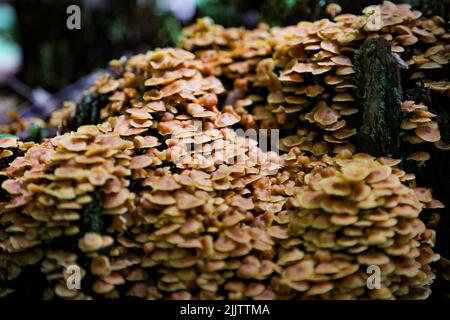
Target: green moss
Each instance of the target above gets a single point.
(92, 215)
(88, 111)
(36, 133)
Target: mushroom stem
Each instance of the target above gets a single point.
(380, 96)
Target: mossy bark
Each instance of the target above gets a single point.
(87, 111)
(380, 95)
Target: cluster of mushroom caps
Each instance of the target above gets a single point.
(420, 119)
(358, 211)
(302, 76)
(419, 127)
(164, 200)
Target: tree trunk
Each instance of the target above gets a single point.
(380, 95)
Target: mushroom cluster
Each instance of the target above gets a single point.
(10, 149)
(162, 187)
(305, 77)
(159, 197)
(419, 127)
(243, 57)
(239, 231)
(8, 145)
(358, 212)
(421, 121)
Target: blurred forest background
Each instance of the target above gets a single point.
(43, 63)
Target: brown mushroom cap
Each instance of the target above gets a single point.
(154, 218)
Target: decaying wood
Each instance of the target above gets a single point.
(380, 95)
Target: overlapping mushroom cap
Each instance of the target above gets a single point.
(240, 231)
(10, 149)
(307, 69)
(129, 197)
(420, 120)
(419, 127)
(358, 212)
(163, 199)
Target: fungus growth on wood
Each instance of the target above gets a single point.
(154, 194)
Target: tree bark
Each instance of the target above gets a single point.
(379, 95)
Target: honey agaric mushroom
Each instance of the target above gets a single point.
(374, 246)
(163, 199)
(90, 242)
(428, 133)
